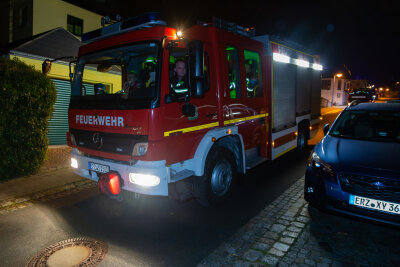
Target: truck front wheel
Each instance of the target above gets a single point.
(220, 174)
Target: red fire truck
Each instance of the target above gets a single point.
(246, 99)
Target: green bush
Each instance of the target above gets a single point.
(26, 103)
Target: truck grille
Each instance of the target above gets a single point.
(370, 186)
(107, 142)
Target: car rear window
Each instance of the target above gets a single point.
(380, 125)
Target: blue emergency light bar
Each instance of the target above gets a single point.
(136, 23)
(233, 27)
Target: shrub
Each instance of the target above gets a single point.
(26, 103)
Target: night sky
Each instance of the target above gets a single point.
(362, 35)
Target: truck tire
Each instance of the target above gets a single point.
(302, 139)
(220, 174)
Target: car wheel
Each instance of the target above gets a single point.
(220, 175)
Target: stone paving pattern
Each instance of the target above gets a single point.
(289, 233)
(44, 180)
(9, 205)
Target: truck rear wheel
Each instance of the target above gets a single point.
(302, 139)
(220, 174)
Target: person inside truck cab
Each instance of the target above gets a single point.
(131, 84)
(179, 85)
(251, 79)
(148, 72)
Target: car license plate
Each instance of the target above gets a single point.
(359, 96)
(374, 204)
(98, 167)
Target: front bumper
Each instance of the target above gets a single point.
(157, 168)
(327, 195)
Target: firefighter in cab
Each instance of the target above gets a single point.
(179, 85)
(252, 84)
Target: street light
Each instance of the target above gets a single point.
(339, 75)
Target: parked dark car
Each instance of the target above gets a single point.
(361, 94)
(355, 169)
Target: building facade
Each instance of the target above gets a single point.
(35, 30)
(334, 91)
(354, 84)
(21, 19)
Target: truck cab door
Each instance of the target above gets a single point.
(185, 133)
(244, 101)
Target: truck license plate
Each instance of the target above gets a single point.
(374, 204)
(359, 96)
(98, 167)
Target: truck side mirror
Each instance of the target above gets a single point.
(196, 71)
(326, 128)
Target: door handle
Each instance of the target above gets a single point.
(211, 115)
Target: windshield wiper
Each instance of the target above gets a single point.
(341, 136)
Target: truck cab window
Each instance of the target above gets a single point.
(253, 74)
(178, 74)
(207, 71)
(233, 71)
(127, 72)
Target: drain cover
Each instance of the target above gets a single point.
(72, 252)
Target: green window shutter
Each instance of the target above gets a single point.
(58, 124)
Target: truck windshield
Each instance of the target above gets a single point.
(371, 125)
(125, 73)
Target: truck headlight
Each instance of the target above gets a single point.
(144, 179)
(140, 149)
(74, 163)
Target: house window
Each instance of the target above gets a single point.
(339, 84)
(326, 84)
(75, 25)
(23, 16)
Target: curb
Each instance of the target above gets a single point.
(51, 193)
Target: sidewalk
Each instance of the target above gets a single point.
(289, 233)
(54, 179)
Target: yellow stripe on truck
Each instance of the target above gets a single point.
(192, 129)
(246, 118)
(213, 124)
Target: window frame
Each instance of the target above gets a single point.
(259, 67)
(73, 22)
(238, 84)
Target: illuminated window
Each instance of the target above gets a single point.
(75, 25)
(252, 65)
(233, 71)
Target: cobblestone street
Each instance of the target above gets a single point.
(289, 233)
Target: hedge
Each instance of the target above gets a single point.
(26, 104)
